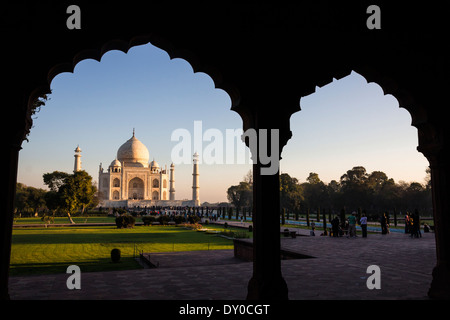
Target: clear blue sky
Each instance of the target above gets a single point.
(344, 124)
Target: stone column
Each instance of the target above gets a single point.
(172, 182)
(77, 164)
(11, 157)
(440, 185)
(195, 182)
(267, 281)
(263, 113)
(432, 143)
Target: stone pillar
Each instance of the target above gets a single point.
(172, 182)
(77, 164)
(195, 182)
(11, 157)
(267, 281)
(432, 143)
(440, 185)
(264, 113)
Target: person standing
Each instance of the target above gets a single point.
(352, 225)
(363, 222)
(415, 233)
(335, 226)
(407, 222)
(383, 223)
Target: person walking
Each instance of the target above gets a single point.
(352, 225)
(363, 222)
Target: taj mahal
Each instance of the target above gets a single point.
(131, 180)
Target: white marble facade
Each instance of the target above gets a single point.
(131, 180)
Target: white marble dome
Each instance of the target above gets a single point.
(115, 163)
(154, 164)
(133, 153)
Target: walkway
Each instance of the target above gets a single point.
(338, 271)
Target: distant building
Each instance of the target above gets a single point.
(132, 181)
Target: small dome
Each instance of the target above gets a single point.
(77, 149)
(115, 163)
(133, 151)
(154, 164)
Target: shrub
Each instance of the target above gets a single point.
(147, 220)
(195, 226)
(125, 221)
(235, 234)
(163, 219)
(48, 219)
(179, 219)
(194, 219)
(115, 255)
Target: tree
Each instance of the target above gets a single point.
(29, 198)
(240, 195)
(86, 190)
(313, 178)
(355, 176)
(55, 179)
(36, 198)
(70, 192)
(249, 177)
(355, 191)
(376, 180)
(291, 193)
(314, 190)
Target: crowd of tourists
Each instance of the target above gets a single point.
(348, 226)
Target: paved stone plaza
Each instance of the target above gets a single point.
(337, 271)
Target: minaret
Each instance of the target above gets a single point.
(77, 165)
(172, 182)
(195, 184)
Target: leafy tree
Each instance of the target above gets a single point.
(315, 192)
(313, 178)
(354, 187)
(29, 198)
(70, 192)
(36, 198)
(240, 195)
(355, 176)
(55, 179)
(376, 180)
(291, 193)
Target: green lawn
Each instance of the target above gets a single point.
(58, 220)
(52, 250)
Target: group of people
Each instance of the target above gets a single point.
(412, 224)
(349, 226)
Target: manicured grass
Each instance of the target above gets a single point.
(58, 220)
(52, 250)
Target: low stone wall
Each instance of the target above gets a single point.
(243, 249)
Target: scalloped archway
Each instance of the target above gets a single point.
(266, 56)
